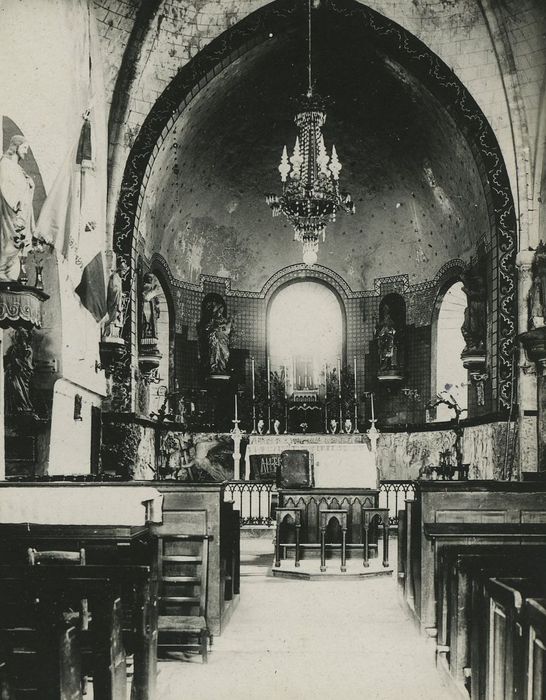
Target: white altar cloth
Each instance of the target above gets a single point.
(340, 461)
(80, 505)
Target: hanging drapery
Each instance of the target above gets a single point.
(72, 219)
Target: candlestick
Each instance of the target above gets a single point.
(236, 417)
(268, 378)
(339, 377)
(373, 414)
(253, 365)
(355, 374)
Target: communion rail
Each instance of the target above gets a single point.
(254, 500)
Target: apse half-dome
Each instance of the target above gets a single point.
(417, 189)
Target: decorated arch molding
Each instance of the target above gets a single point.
(414, 56)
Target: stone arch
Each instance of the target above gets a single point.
(411, 53)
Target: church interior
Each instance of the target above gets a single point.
(272, 314)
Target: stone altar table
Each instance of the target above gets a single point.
(339, 461)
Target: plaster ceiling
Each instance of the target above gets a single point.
(416, 187)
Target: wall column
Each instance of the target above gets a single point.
(528, 391)
(534, 342)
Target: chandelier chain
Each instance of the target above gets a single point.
(309, 48)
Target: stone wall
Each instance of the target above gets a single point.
(401, 455)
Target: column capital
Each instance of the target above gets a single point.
(524, 259)
(534, 343)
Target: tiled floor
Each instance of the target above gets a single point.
(317, 640)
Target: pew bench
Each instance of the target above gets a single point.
(505, 669)
(101, 648)
(534, 620)
(461, 568)
(465, 513)
(493, 604)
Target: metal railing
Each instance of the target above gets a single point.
(253, 499)
(392, 494)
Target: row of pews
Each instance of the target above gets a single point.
(472, 571)
(94, 605)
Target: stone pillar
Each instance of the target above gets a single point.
(534, 342)
(527, 374)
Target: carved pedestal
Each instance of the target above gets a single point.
(534, 342)
(474, 362)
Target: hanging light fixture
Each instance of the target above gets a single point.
(310, 177)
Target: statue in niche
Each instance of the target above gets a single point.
(16, 213)
(114, 306)
(474, 323)
(18, 374)
(150, 306)
(214, 333)
(536, 301)
(386, 335)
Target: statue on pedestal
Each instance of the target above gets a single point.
(536, 301)
(16, 213)
(214, 333)
(387, 341)
(150, 306)
(475, 321)
(114, 306)
(18, 374)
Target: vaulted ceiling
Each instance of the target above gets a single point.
(418, 194)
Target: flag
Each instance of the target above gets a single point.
(73, 217)
(69, 221)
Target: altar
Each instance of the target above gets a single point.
(337, 461)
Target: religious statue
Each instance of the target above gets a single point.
(16, 213)
(150, 305)
(333, 426)
(348, 426)
(18, 374)
(474, 323)
(114, 306)
(277, 426)
(536, 301)
(261, 426)
(387, 341)
(214, 332)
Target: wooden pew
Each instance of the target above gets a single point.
(199, 509)
(505, 674)
(482, 643)
(470, 512)
(59, 588)
(534, 620)
(453, 594)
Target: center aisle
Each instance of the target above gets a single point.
(300, 639)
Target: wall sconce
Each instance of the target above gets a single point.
(411, 393)
(78, 407)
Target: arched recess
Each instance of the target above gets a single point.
(393, 305)
(305, 332)
(447, 344)
(165, 345)
(351, 17)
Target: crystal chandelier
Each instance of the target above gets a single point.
(310, 177)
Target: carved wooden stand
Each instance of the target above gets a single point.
(368, 515)
(325, 517)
